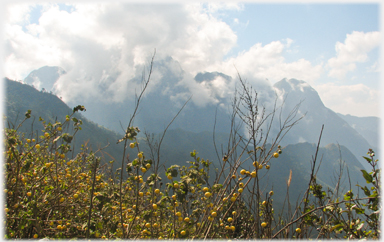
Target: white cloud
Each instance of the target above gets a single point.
(354, 49)
(214, 7)
(375, 67)
(105, 46)
(267, 62)
(18, 13)
(96, 42)
(358, 100)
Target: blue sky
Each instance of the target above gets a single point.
(314, 28)
(333, 47)
(309, 25)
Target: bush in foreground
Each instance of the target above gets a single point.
(49, 195)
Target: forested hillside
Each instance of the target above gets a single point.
(203, 173)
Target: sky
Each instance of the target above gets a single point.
(333, 47)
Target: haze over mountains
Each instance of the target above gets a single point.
(179, 142)
(212, 94)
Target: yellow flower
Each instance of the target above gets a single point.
(263, 224)
(276, 155)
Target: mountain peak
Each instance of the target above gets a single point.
(289, 85)
(44, 77)
(299, 90)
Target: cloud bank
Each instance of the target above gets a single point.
(346, 99)
(355, 49)
(104, 48)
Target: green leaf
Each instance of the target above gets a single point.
(174, 173)
(28, 114)
(368, 159)
(67, 138)
(360, 211)
(360, 226)
(56, 139)
(367, 177)
(99, 225)
(335, 227)
(26, 166)
(129, 168)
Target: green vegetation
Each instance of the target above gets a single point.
(49, 195)
(54, 192)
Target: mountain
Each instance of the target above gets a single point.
(21, 97)
(161, 102)
(45, 77)
(178, 143)
(366, 126)
(332, 160)
(336, 129)
(168, 92)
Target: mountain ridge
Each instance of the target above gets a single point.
(178, 143)
(158, 108)
(336, 129)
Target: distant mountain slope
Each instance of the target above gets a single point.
(336, 130)
(178, 143)
(368, 127)
(296, 157)
(21, 97)
(158, 107)
(44, 77)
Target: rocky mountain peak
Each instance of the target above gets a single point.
(297, 90)
(44, 77)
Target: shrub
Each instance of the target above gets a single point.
(49, 195)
